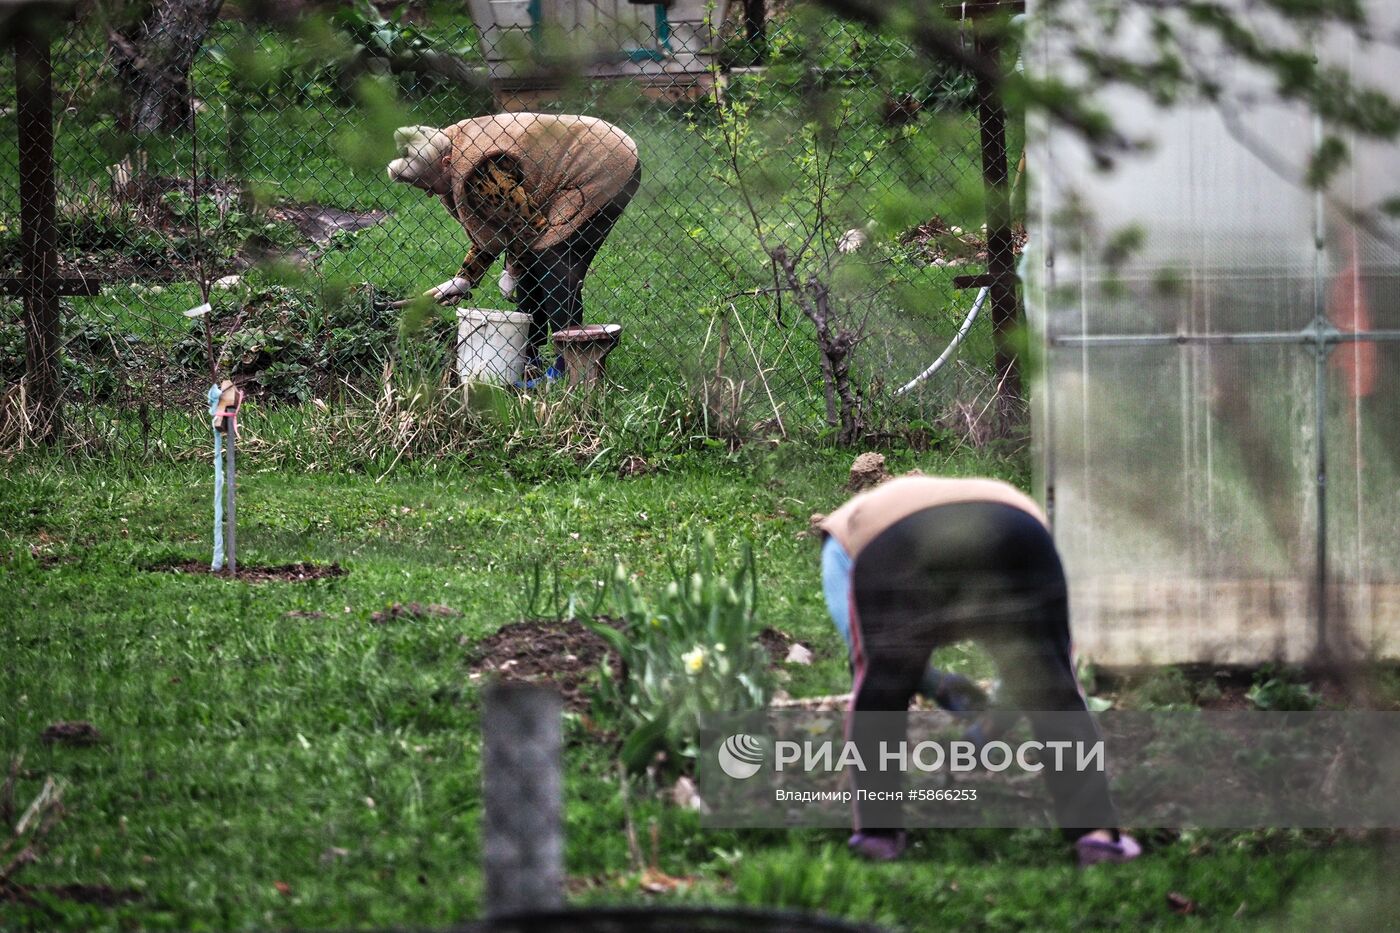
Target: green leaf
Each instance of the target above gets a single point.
(615, 639)
(644, 742)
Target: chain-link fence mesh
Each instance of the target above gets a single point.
(262, 189)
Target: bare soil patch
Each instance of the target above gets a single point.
(943, 244)
(562, 652)
(123, 238)
(566, 653)
(76, 734)
(99, 895)
(282, 573)
(319, 223)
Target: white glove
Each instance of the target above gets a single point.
(508, 282)
(448, 292)
(451, 290)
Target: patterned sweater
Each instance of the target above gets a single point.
(526, 181)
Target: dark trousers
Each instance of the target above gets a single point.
(982, 571)
(551, 280)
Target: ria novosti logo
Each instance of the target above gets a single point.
(740, 756)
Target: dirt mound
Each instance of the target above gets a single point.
(281, 573)
(562, 652)
(868, 470)
(566, 653)
(776, 643)
(77, 734)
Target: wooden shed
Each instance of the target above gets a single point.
(667, 48)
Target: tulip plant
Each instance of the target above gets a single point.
(690, 651)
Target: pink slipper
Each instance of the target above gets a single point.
(1091, 851)
(879, 847)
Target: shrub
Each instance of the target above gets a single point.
(690, 652)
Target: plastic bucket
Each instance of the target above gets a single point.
(491, 345)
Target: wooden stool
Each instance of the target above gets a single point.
(584, 349)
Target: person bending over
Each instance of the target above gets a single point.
(543, 189)
(921, 562)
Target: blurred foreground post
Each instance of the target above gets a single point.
(522, 770)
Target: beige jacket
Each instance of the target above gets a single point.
(572, 166)
(856, 523)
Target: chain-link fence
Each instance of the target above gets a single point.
(806, 194)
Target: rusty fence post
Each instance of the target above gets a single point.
(522, 773)
(38, 234)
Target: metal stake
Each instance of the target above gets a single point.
(230, 497)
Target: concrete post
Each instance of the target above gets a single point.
(522, 770)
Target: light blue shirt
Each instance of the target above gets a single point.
(836, 587)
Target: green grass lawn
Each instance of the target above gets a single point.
(260, 769)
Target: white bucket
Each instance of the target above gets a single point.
(491, 345)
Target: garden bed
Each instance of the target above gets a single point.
(566, 653)
(149, 234)
(561, 652)
(298, 572)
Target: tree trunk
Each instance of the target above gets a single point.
(843, 404)
(153, 59)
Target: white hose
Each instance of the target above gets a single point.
(952, 347)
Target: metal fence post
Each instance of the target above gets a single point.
(230, 496)
(522, 773)
(38, 235)
(1001, 250)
